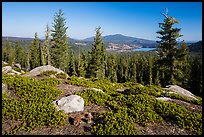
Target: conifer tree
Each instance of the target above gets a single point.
(150, 64)
(111, 70)
(18, 53)
(35, 53)
(196, 76)
(46, 47)
(167, 47)
(41, 56)
(182, 65)
(81, 65)
(71, 65)
(59, 47)
(10, 54)
(96, 65)
(119, 69)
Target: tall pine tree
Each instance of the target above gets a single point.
(71, 65)
(112, 68)
(167, 47)
(97, 61)
(59, 47)
(35, 53)
(46, 47)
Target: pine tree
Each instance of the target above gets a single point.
(196, 76)
(97, 62)
(150, 62)
(35, 52)
(41, 56)
(59, 47)
(71, 65)
(18, 53)
(46, 47)
(81, 65)
(9, 54)
(112, 68)
(182, 66)
(167, 47)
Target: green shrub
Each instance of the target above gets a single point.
(102, 84)
(34, 107)
(47, 73)
(51, 81)
(17, 69)
(61, 75)
(110, 123)
(191, 121)
(198, 101)
(92, 96)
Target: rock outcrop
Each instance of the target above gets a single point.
(163, 98)
(4, 63)
(17, 65)
(9, 70)
(38, 70)
(170, 89)
(72, 103)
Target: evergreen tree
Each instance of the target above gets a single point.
(46, 47)
(9, 54)
(18, 53)
(196, 76)
(96, 65)
(81, 65)
(42, 58)
(71, 65)
(182, 66)
(140, 69)
(150, 61)
(35, 53)
(111, 68)
(27, 64)
(167, 47)
(59, 47)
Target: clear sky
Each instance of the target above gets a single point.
(136, 19)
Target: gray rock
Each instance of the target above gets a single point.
(121, 89)
(4, 63)
(18, 65)
(38, 70)
(180, 91)
(70, 103)
(22, 71)
(4, 87)
(163, 98)
(9, 70)
(15, 72)
(52, 76)
(6, 69)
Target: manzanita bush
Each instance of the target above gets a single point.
(33, 108)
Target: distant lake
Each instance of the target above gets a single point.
(143, 49)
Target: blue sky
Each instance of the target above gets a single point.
(137, 19)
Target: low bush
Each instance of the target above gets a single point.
(47, 73)
(137, 104)
(61, 75)
(34, 107)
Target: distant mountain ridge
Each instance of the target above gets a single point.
(119, 38)
(195, 47)
(15, 38)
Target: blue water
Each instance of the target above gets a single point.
(143, 49)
